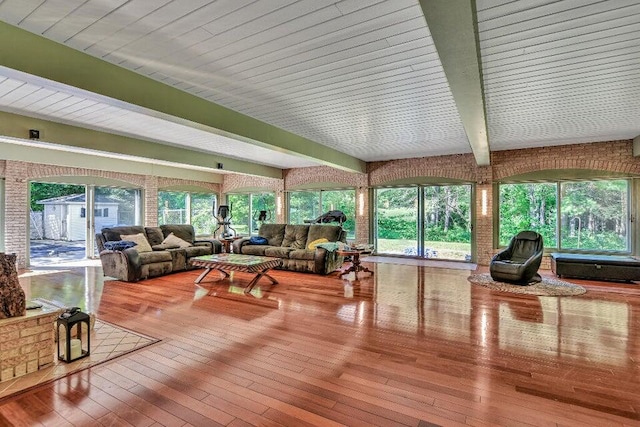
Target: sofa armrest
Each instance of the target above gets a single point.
(122, 265)
(326, 261)
(238, 244)
(214, 245)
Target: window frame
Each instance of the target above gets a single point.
(631, 209)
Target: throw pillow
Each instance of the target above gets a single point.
(258, 240)
(118, 245)
(312, 246)
(172, 239)
(142, 245)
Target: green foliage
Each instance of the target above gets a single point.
(447, 213)
(43, 190)
(529, 206)
(594, 214)
(398, 223)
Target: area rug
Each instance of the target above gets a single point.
(108, 341)
(549, 286)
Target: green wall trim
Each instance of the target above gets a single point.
(36, 55)
(453, 27)
(16, 126)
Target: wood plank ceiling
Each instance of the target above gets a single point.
(362, 77)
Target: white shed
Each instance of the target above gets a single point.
(65, 217)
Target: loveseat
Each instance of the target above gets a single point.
(291, 243)
(171, 247)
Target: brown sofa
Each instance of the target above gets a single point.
(290, 242)
(129, 265)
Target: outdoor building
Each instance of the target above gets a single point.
(65, 217)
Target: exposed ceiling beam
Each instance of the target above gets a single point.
(453, 27)
(58, 135)
(36, 55)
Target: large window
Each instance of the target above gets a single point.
(397, 221)
(251, 210)
(179, 207)
(593, 215)
(444, 212)
(529, 206)
(306, 206)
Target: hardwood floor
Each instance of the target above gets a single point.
(410, 345)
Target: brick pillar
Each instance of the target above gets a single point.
(16, 214)
(150, 201)
(483, 229)
(280, 216)
(362, 221)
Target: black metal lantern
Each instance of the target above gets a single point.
(71, 343)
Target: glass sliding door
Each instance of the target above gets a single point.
(57, 223)
(115, 207)
(304, 206)
(345, 201)
(240, 205)
(263, 208)
(172, 207)
(203, 207)
(447, 222)
(397, 221)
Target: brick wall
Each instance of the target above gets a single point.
(26, 344)
(18, 174)
(613, 156)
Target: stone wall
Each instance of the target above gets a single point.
(27, 343)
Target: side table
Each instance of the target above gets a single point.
(356, 267)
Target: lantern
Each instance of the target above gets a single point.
(71, 342)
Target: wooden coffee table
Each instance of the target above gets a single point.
(224, 263)
(355, 261)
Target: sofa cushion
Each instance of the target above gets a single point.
(258, 240)
(183, 231)
(274, 233)
(156, 256)
(295, 236)
(332, 233)
(113, 233)
(119, 245)
(255, 249)
(154, 235)
(302, 254)
(312, 245)
(142, 245)
(278, 251)
(163, 247)
(172, 239)
(197, 251)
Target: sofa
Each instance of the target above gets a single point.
(291, 243)
(133, 264)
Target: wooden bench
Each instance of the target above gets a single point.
(599, 267)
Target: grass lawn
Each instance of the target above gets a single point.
(444, 250)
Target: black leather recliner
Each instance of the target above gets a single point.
(519, 262)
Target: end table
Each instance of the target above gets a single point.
(356, 267)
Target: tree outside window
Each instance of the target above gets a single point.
(594, 215)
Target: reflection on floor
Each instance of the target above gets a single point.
(107, 342)
(408, 345)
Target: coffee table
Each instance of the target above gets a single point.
(259, 265)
